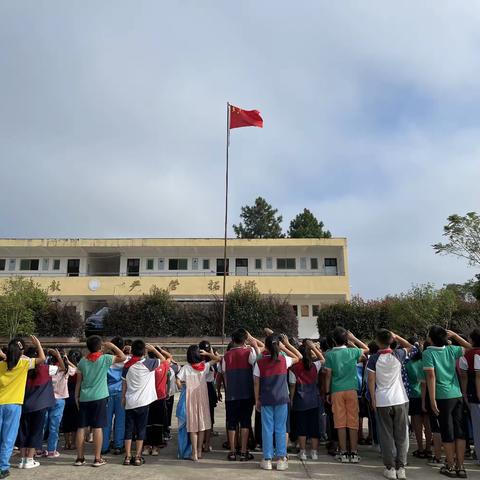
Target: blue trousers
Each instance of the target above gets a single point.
(274, 420)
(9, 423)
(114, 409)
(53, 419)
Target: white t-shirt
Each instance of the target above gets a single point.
(140, 378)
(462, 363)
(188, 370)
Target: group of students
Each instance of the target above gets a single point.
(121, 395)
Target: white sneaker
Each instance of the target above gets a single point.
(282, 464)
(345, 458)
(31, 463)
(354, 458)
(302, 456)
(22, 463)
(401, 474)
(314, 455)
(266, 464)
(390, 473)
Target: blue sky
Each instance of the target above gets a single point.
(112, 122)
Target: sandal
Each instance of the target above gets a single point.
(99, 462)
(461, 472)
(138, 461)
(79, 462)
(127, 461)
(245, 457)
(448, 471)
(232, 457)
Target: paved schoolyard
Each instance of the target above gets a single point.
(214, 466)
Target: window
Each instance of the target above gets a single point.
(295, 309)
(29, 264)
(2, 264)
(177, 264)
(304, 310)
(258, 264)
(133, 267)
(314, 263)
(56, 264)
(45, 263)
(73, 267)
(315, 310)
(206, 264)
(303, 263)
(150, 263)
(269, 263)
(286, 264)
(330, 262)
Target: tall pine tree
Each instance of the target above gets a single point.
(259, 221)
(306, 225)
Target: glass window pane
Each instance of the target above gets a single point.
(56, 264)
(304, 310)
(149, 263)
(2, 264)
(206, 264)
(258, 263)
(314, 263)
(24, 264)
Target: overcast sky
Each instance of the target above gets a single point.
(112, 122)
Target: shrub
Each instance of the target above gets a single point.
(59, 320)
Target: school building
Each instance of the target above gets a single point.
(90, 273)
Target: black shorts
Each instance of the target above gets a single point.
(30, 433)
(451, 420)
(136, 420)
(307, 423)
(93, 414)
(239, 412)
(415, 407)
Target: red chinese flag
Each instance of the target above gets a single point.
(244, 118)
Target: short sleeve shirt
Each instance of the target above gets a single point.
(416, 376)
(342, 361)
(292, 378)
(288, 360)
(94, 378)
(12, 382)
(443, 361)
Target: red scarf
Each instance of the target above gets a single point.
(386, 350)
(199, 367)
(93, 357)
(133, 360)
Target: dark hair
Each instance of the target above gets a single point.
(339, 335)
(306, 352)
(272, 344)
(31, 352)
(94, 343)
(416, 353)
(384, 337)
(74, 356)
(14, 352)
(193, 354)
(205, 345)
(138, 348)
(475, 337)
(230, 346)
(325, 344)
(128, 342)
(118, 342)
(373, 348)
(239, 336)
(438, 336)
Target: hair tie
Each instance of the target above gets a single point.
(19, 345)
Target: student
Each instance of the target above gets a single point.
(70, 413)
(14, 368)
(341, 379)
(439, 362)
(420, 420)
(470, 380)
(194, 376)
(236, 368)
(39, 397)
(305, 396)
(272, 397)
(389, 399)
(115, 410)
(212, 395)
(172, 390)
(54, 414)
(138, 392)
(91, 394)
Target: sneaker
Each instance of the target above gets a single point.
(31, 463)
(345, 457)
(266, 464)
(53, 454)
(338, 456)
(354, 458)
(99, 462)
(282, 464)
(4, 473)
(22, 463)
(390, 473)
(302, 456)
(79, 462)
(314, 455)
(401, 474)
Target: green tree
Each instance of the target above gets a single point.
(21, 303)
(306, 225)
(468, 291)
(463, 234)
(259, 221)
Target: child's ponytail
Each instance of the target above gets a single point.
(14, 352)
(272, 344)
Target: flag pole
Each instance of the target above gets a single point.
(225, 228)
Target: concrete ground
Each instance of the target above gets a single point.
(214, 466)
